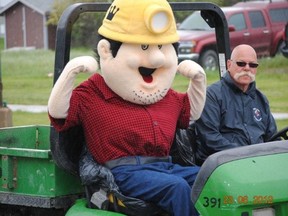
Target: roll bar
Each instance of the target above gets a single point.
(210, 12)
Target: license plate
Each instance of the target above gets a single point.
(263, 212)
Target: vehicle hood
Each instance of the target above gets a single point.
(194, 35)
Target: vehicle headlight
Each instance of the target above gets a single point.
(186, 47)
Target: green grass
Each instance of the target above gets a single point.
(26, 75)
(1, 43)
(27, 118)
(26, 79)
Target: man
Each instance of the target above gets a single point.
(129, 113)
(236, 113)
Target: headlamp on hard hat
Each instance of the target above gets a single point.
(157, 19)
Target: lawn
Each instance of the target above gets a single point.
(27, 79)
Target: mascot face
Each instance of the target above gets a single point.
(141, 74)
(145, 65)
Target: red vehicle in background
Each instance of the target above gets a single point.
(257, 23)
(284, 49)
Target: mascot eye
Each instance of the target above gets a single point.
(144, 47)
(159, 46)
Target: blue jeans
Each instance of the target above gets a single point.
(166, 184)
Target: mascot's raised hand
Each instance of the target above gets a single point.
(197, 86)
(59, 100)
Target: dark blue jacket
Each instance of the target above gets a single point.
(232, 118)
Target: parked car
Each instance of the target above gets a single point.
(284, 49)
(258, 23)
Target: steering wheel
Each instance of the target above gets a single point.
(283, 134)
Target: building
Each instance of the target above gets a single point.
(25, 24)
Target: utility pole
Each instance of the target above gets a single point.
(5, 112)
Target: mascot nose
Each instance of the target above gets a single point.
(156, 58)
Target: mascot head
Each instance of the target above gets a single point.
(138, 51)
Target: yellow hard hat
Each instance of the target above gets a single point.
(140, 22)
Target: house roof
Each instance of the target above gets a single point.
(41, 6)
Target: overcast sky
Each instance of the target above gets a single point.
(4, 2)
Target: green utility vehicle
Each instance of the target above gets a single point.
(39, 166)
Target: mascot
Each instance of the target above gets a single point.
(128, 111)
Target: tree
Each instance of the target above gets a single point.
(84, 29)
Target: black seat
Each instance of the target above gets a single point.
(69, 153)
(184, 146)
(66, 148)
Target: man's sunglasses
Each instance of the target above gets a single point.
(243, 64)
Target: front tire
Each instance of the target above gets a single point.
(209, 60)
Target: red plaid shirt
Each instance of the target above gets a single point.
(116, 128)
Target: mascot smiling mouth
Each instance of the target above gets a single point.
(146, 74)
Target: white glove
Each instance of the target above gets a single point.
(59, 99)
(197, 86)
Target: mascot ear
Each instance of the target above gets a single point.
(104, 49)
